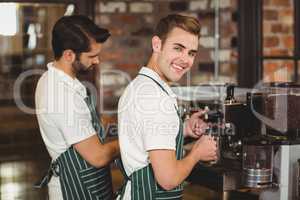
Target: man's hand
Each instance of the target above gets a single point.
(205, 149)
(195, 126)
(165, 164)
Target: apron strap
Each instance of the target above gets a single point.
(120, 165)
(52, 171)
(163, 89)
(121, 190)
(90, 101)
(155, 82)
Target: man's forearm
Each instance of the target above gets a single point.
(98, 154)
(170, 172)
(182, 169)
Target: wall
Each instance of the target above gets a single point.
(132, 22)
(278, 39)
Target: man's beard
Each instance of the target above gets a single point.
(79, 67)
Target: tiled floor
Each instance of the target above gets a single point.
(18, 176)
(24, 159)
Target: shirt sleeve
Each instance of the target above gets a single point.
(160, 122)
(73, 118)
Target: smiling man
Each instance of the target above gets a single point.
(67, 117)
(151, 131)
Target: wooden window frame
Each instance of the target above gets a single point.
(250, 40)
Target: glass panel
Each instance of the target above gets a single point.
(278, 31)
(203, 71)
(25, 38)
(278, 70)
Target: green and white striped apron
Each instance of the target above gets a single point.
(79, 180)
(143, 183)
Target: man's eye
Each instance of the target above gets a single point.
(192, 54)
(177, 49)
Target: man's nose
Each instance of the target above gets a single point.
(185, 57)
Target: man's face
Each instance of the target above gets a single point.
(177, 54)
(87, 60)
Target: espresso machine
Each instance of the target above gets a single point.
(258, 138)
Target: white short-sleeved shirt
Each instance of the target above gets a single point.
(147, 120)
(63, 116)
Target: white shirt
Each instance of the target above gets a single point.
(63, 116)
(147, 120)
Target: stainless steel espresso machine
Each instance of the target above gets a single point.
(258, 133)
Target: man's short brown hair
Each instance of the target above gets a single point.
(166, 25)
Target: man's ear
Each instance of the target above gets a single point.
(69, 55)
(156, 44)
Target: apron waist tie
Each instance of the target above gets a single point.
(52, 171)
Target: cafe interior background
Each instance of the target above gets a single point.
(242, 42)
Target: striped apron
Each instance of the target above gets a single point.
(143, 183)
(79, 180)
